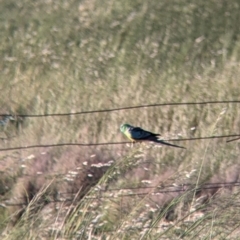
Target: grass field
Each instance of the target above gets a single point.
(72, 56)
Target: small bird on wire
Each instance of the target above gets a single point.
(137, 134)
(3, 124)
(4, 121)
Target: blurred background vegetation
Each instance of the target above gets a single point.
(70, 56)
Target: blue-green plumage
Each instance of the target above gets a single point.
(137, 134)
(4, 121)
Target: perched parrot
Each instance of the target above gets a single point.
(137, 134)
(5, 119)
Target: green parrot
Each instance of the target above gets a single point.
(4, 121)
(137, 134)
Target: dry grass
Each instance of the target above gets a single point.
(68, 57)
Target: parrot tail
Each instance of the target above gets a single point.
(164, 143)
